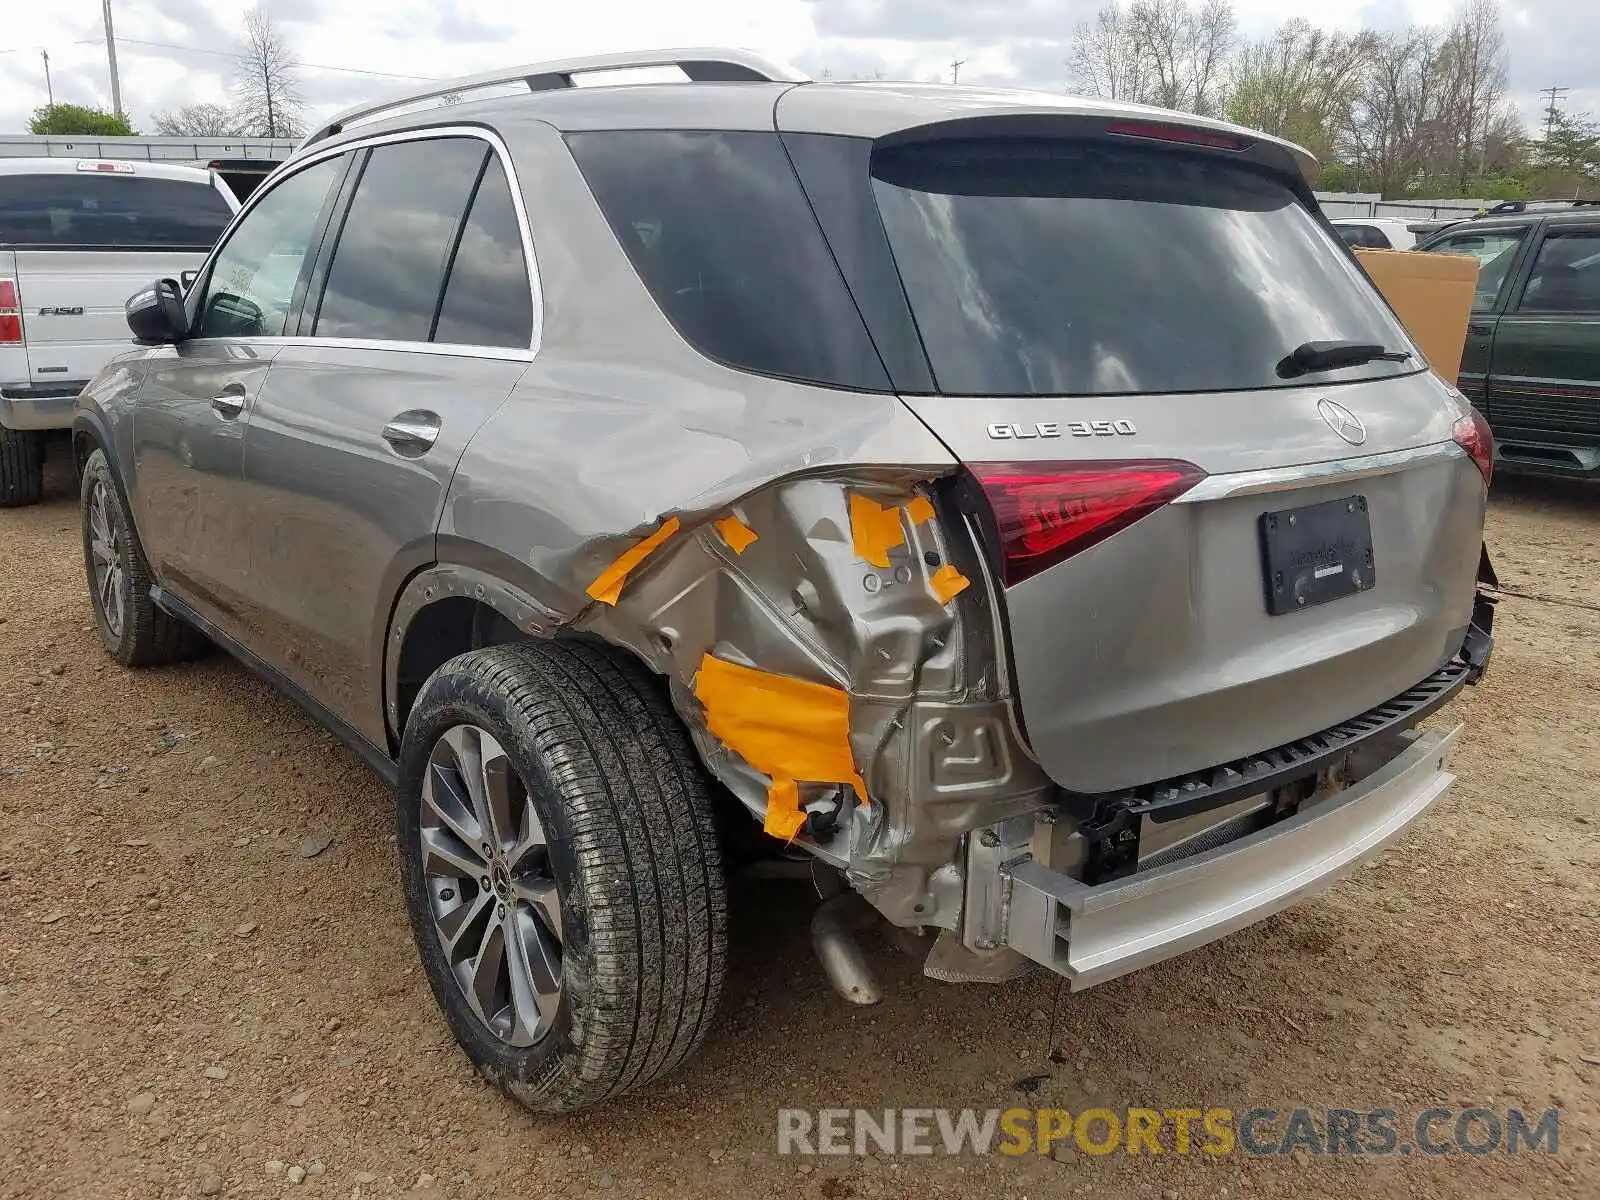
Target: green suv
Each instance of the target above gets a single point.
(1532, 355)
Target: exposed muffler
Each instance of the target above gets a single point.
(833, 933)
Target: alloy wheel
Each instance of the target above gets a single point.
(486, 865)
(105, 555)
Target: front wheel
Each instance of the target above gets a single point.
(561, 870)
(135, 632)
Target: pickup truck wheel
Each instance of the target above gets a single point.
(561, 870)
(21, 467)
(136, 633)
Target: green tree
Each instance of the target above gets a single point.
(66, 119)
(1570, 144)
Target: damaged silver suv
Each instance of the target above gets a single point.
(1022, 505)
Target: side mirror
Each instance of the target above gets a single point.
(187, 279)
(156, 315)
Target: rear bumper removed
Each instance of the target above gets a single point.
(1089, 934)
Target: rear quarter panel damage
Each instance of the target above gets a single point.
(875, 609)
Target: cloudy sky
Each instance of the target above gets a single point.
(175, 52)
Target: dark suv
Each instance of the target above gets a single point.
(1532, 356)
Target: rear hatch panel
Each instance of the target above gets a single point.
(1125, 301)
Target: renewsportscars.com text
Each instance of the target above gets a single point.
(1334, 1132)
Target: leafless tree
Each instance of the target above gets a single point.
(200, 120)
(1166, 52)
(1475, 61)
(1104, 57)
(268, 85)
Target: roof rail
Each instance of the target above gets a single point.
(700, 64)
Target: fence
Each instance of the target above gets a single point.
(1362, 204)
(151, 149)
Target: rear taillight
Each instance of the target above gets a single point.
(10, 313)
(1047, 512)
(1472, 434)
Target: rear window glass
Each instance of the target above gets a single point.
(1044, 267)
(123, 212)
(718, 228)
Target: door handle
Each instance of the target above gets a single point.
(412, 433)
(1480, 330)
(229, 402)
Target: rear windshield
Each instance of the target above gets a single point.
(123, 212)
(1038, 267)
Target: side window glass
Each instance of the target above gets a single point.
(389, 264)
(488, 300)
(1494, 252)
(252, 279)
(1566, 275)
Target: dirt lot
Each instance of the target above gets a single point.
(188, 1005)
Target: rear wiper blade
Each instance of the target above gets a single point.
(1330, 356)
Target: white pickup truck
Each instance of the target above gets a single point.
(77, 238)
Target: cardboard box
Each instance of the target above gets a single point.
(1432, 293)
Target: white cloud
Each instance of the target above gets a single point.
(1002, 41)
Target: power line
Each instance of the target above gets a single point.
(306, 65)
(219, 54)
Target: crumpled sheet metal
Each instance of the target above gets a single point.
(873, 613)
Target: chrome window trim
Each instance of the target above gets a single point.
(427, 133)
(1337, 470)
(450, 349)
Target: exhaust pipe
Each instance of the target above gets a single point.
(833, 934)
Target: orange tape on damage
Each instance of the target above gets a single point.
(607, 586)
(786, 728)
(736, 533)
(948, 583)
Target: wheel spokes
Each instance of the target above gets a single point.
(445, 797)
(534, 973)
(462, 929)
(495, 905)
(445, 854)
(105, 559)
(541, 897)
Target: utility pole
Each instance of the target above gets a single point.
(1556, 94)
(955, 66)
(48, 89)
(111, 59)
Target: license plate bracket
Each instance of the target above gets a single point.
(1317, 553)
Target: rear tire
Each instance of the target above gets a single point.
(135, 632)
(598, 883)
(21, 467)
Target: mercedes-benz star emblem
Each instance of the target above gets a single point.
(1342, 421)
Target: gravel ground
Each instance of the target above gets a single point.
(189, 1005)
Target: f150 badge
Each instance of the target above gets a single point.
(75, 310)
(1005, 431)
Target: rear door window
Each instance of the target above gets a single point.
(92, 210)
(717, 226)
(1495, 251)
(488, 300)
(1566, 274)
(1055, 267)
(389, 264)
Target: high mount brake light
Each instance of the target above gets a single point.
(1047, 512)
(1472, 434)
(1159, 131)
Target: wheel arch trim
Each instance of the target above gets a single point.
(453, 581)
